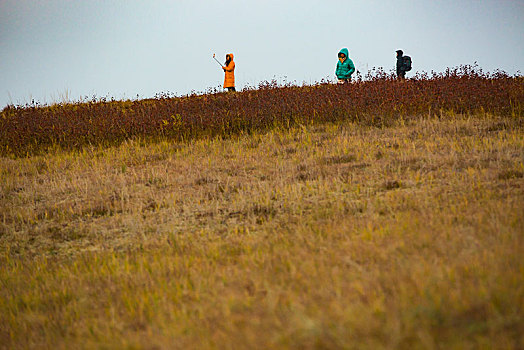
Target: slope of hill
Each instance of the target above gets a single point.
(377, 100)
(331, 234)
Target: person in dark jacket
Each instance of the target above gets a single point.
(345, 67)
(401, 67)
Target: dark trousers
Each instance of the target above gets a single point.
(231, 89)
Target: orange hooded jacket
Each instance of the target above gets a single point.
(229, 79)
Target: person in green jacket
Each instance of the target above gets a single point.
(345, 67)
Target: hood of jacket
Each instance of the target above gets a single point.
(345, 51)
(230, 56)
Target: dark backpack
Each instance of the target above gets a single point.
(407, 63)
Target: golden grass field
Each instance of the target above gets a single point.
(326, 236)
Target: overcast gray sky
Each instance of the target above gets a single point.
(56, 49)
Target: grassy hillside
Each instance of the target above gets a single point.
(378, 100)
(324, 235)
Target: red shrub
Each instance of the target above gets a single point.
(376, 100)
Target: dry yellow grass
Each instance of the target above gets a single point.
(333, 236)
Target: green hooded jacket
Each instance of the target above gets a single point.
(346, 68)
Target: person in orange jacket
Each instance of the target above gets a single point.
(229, 69)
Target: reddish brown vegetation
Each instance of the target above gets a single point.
(377, 100)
